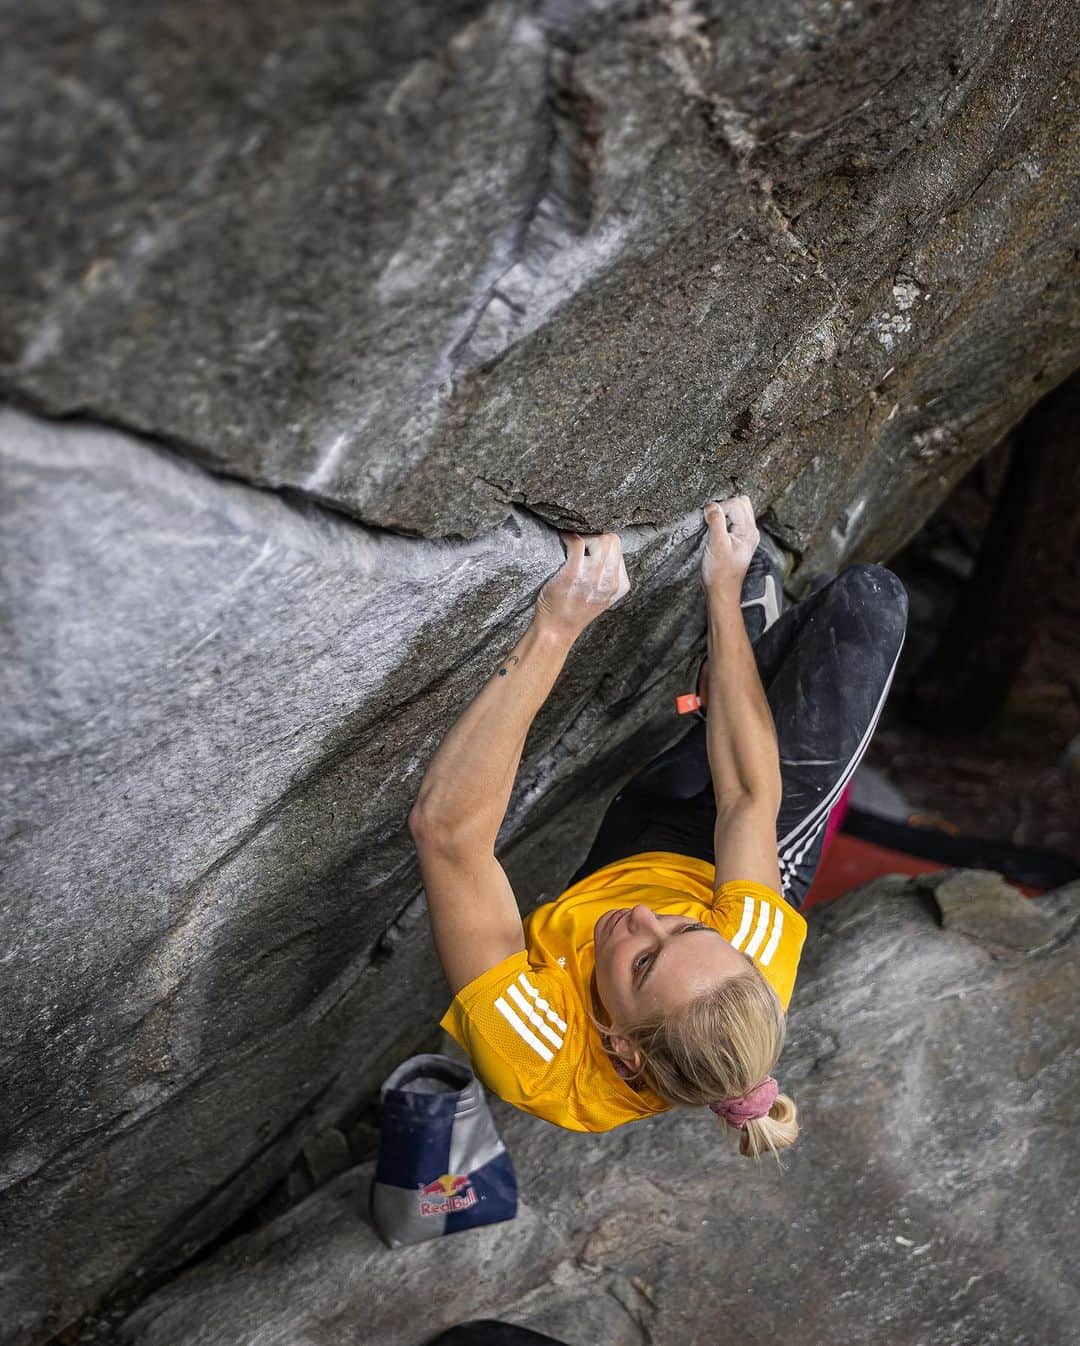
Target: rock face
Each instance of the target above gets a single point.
(422, 261)
(928, 1200)
(458, 272)
(222, 704)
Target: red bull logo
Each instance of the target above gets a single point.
(453, 1191)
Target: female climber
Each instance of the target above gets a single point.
(662, 976)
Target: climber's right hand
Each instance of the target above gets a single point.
(592, 579)
(731, 542)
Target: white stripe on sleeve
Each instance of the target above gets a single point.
(526, 1034)
(759, 932)
(744, 928)
(532, 1016)
(774, 940)
(541, 1003)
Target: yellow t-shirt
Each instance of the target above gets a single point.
(525, 1022)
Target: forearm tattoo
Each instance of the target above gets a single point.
(506, 669)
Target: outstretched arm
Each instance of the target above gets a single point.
(741, 737)
(466, 789)
(465, 792)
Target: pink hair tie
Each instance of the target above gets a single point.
(739, 1111)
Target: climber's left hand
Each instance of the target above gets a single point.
(592, 579)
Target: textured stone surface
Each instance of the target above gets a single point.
(218, 707)
(928, 1202)
(985, 907)
(425, 260)
(327, 1154)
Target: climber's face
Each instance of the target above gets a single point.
(650, 964)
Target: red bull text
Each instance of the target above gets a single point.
(451, 1192)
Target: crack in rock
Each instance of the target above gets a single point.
(550, 513)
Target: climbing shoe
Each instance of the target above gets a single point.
(762, 596)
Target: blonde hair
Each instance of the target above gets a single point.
(717, 1047)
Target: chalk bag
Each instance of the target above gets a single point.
(442, 1166)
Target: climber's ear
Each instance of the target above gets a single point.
(625, 1051)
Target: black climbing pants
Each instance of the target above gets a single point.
(826, 665)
